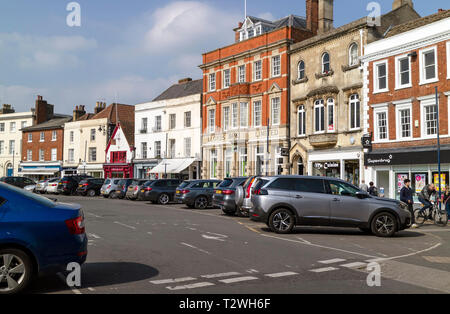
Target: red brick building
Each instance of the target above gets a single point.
(246, 96)
(401, 75)
(42, 143)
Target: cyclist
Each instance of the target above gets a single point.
(425, 198)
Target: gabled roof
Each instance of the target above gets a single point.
(182, 90)
(290, 21)
(418, 23)
(57, 122)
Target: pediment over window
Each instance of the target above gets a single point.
(211, 101)
(275, 88)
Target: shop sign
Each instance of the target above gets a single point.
(421, 181)
(326, 165)
(436, 181)
(379, 160)
(367, 141)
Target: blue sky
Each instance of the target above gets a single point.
(129, 51)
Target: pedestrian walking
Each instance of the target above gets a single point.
(406, 196)
(363, 186)
(372, 189)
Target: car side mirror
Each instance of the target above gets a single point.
(362, 195)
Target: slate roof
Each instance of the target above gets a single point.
(57, 122)
(291, 21)
(418, 23)
(182, 90)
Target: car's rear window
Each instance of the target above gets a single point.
(259, 184)
(226, 183)
(310, 185)
(285, 184)
(37, 198)
(184, 184)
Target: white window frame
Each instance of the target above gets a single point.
(12, 147)
(188, 118)
(55, 136)
(301, 111)
(2, 147)
(323, 63)
(30, 137)
(241, 112)
(422, 71)
(242, 75)
(29, 155)
(350, 102)
(376, 111)
(272, 111)
(376, 88)
(226, 78)
(256, 77)
(213, 168)
(425, 102)
(234, 116)
(12, 127)
(23, 124)
(243, 158)
(41, 137)
(41, 155)
(448, 60)
(212, 121)
(398, 109)
(226, 122)
(273, 59)
(212, 82)
(300, 71)
(350, 57)
(2, 130)
(187, 148)
(255, 124)
(158, 149)
(318, 104)
(398, 77)
(71, 136)
(54, 154)
(71, 155)
(331, 103)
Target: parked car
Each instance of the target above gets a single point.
(224, 196)
(37, 236)
(160, 191)
(19, 182)
(69, 184)
(243, 196)
(122, 188)
(196, 193)
(284, 202)
(30, 188)
(134, 188)
(90, 187)
(109, 187)
(52, 186)
(42, 185)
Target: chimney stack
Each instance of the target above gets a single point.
(325, 16)
(99, 107)
(78, 112)
(43, 111)
(185, 80)
(399, 3)
(7, 109)
(312, 15)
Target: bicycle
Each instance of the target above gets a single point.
(439, 217)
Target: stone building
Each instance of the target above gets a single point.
(326, 93)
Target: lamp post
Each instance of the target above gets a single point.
(439, 148)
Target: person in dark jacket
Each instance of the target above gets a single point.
(425, 197)
(406, 196)
(372, 189)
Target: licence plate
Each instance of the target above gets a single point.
(219, 192)
(178, 192)
(103, 192)
(142, 191)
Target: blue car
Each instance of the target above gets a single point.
(37, 235)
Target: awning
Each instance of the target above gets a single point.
(44, 172)
(173, 166)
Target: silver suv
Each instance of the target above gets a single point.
(283, 202)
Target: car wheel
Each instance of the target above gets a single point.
(91, 193)
(282, 221)
(201, 202)
(164, 199)
(384, 225)
(16, 271)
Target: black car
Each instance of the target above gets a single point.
(225, 195)
(160, 191)
(90, 187)
(19, 182)
(122, 188)
(197, 193)
(68, 185)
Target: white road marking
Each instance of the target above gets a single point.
(382, 259)
(94, 215)
(303, 240)
(94, 236)
(195, 248)
(124, 225)
(207, 237)
(354, 265)
(192, 286)
(91, 289)
(252, 271)
(285, 274)
(74, 290)
(332, 261)
(166, 281)
(193, 229)
(221, 275)
(150, 233)
(218, 234)
(238, 279)
(322, 270)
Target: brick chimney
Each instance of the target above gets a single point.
(325, 16)
(185, 80)
(99, 107)
(7, 109)
(43, 111)
(399, 3)
(78, 113)
(312, 15)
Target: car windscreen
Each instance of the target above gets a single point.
(226, 183)
(22, 193)
(108, 181)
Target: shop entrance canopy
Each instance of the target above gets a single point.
(172, 166)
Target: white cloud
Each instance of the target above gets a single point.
(267, 16)
(187, 24)
(52, 52)
(20, 97)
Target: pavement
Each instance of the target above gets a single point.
(142, 248)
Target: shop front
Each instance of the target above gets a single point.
(345, 165)
(389, 169)
(39, 171)
(124, 171)
(143, 169)
(183, 169)
(93, 170)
